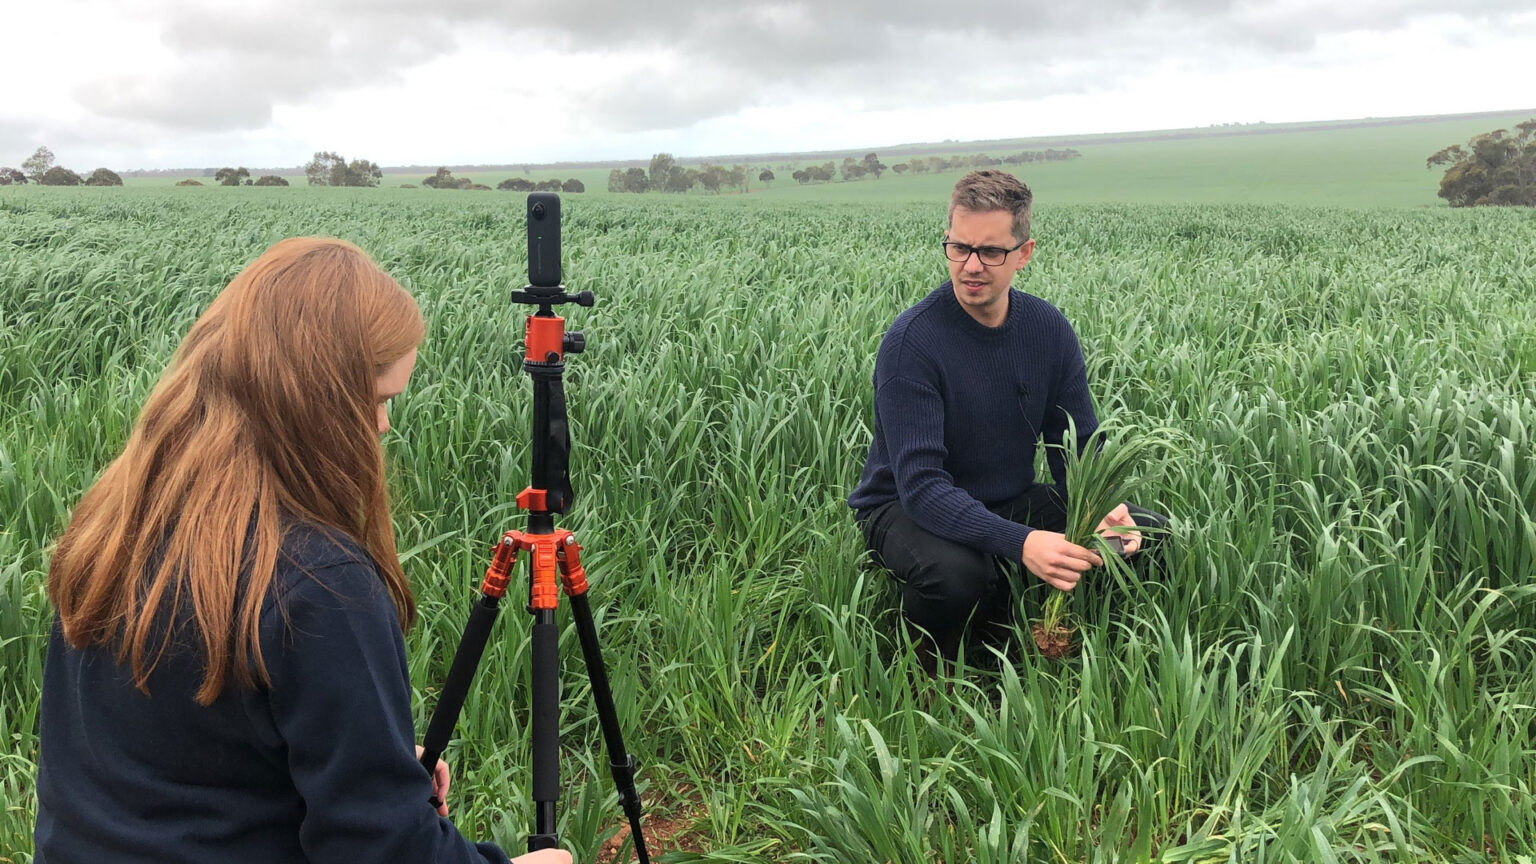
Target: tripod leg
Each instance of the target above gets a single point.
(465, 660)
(546, 729)
(619, 760)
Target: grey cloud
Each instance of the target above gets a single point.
(236, 66)
(207, 97)
(18, 140)
(659, 101)
(1297, 24)
(85, 144)
(232, 67)
(905, 52)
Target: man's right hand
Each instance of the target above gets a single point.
(1056, 562)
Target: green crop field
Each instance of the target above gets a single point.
(1335, 666)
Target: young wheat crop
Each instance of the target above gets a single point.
(1333, 666)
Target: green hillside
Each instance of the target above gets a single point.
(1363, 166)
(1302, 163)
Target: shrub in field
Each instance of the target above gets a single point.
(270, 180)
(515, 184)
(188, 182)
(58, 175)
(573, 186)
(9, 176)
(104, 177)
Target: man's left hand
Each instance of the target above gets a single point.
(1120, 524)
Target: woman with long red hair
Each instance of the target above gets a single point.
(226, 675)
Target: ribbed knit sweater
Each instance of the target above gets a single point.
(959, 409)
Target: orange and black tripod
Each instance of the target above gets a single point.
(551, 551)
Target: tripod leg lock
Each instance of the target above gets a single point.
(498, 574)
(573, 576)
(624, 782)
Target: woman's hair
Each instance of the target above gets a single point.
(266, 416)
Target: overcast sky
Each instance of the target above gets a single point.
(264, 83)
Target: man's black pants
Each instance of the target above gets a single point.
(944, 584)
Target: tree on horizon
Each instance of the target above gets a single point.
(331, 169)
(1495, 169)
(38, 164)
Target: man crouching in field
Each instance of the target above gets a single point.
(966, 384)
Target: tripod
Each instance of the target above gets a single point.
(552, 550)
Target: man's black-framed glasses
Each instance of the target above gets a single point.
(990, 256)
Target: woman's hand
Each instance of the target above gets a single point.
(440, 783)
(544, 856)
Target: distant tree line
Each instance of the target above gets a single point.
(665, 175)
(39, 168)
(823, 173)
(871, 166)
(242, 177)
(327, 168)
(519, 184)
(1495, 168)
(851, 169)
(941, 164)
(444, 179)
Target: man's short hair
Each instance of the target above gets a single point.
(988, 190)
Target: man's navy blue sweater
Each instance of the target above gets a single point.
(959, 407)
(318, 767)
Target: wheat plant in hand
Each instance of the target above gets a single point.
(1102, 475)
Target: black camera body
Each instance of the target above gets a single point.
(543, 240)
(544, 288)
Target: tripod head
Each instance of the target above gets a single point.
(546, 344)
